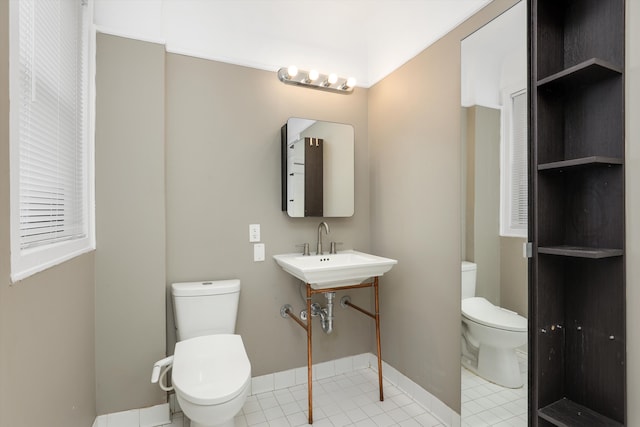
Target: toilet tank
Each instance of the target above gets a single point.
(468, 279)
(205, 308)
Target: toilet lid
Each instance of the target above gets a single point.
(211, 369)
(482, 311)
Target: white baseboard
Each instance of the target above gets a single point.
(153, 416)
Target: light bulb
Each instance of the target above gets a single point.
(292, 71)
(333, 78)
(313, 75)
(351, 82)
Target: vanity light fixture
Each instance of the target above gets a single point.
(313, 79)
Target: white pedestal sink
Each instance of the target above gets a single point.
(327, 274)
(334, 270)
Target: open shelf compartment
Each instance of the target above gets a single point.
(570, 123)
(577, 31)
(565, 413)
(581, 213)
(580, 338)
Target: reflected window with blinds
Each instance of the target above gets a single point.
(514, 161)
(51, 186)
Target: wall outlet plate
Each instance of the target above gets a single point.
(258, 252)
(254, 232)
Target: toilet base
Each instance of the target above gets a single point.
(230, 423)
(497, 365)
(221, 415)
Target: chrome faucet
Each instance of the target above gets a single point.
(326, 227)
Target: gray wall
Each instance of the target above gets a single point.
(46, 321)
(632, 167)
(483, 198)
(130, 217)
(514, 276)
(414, 134)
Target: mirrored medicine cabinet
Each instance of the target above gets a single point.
(317, 168)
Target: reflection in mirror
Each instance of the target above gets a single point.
(494, 203)
(317, 168)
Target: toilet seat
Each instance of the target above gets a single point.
(481, 311)
(211, 369)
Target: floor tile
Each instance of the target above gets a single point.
(351, 400)
(488, 404)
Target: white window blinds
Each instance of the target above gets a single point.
(49, 97)
(514, 201)
(519, 202)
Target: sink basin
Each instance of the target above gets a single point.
(334, 270)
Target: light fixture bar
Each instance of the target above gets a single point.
(315, 80)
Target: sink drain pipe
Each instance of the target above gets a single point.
(326, 314)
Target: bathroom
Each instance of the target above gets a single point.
(207, 134)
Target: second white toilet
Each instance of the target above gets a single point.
(490, 335)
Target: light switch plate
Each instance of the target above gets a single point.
(258, 252)
(254, 232)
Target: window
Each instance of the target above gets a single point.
(513, 172)
(51, 133)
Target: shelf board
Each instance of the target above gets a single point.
(588, 71)
(580, 163)
(565, 413)
(580, 251)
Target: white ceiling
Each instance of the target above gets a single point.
(366, 39)
(494, 58)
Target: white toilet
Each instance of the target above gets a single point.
(211, 370)
(490, 335)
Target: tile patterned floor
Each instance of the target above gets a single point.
(349, 399)
(487, 404)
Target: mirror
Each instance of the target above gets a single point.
(317, 168)
(494, 196)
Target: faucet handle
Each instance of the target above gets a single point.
(305, 248)
(332, 249)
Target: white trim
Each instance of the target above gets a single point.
(28, 262)
(173, 48)
(118, 33)
(14, 154)
(153, 416)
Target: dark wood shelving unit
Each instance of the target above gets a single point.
(577, 336)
